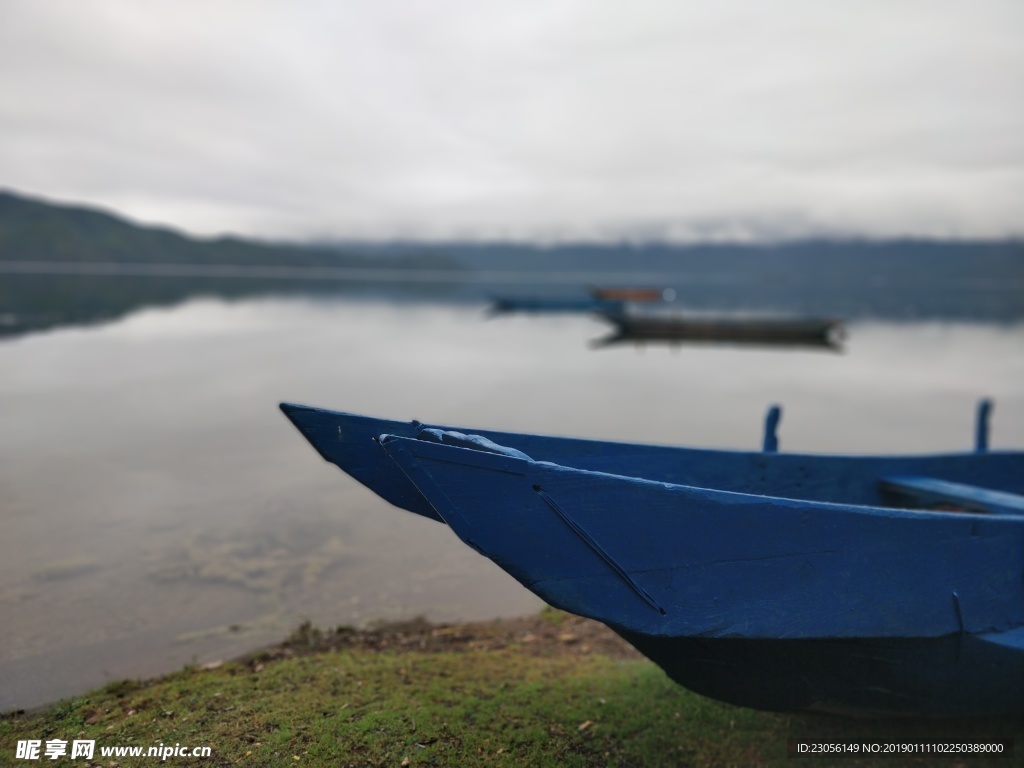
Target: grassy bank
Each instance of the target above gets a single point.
(550, 690)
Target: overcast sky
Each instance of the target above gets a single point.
(522, 119)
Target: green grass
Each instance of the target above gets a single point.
(502, 707)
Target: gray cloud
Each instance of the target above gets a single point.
(548, 118)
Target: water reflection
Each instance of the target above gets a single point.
(157, 507)
(37, 296)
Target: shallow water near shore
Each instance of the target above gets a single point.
(157, 509)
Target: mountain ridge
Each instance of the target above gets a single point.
(32, 229)
(35, 229)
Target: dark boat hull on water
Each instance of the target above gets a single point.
(639, 328)
(768, 580)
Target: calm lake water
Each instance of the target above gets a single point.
(157, 509)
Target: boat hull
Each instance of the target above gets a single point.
(768, 594)
(775, 604)
(953, 675)
(552, 305)
(350, 442)
(664, 559)
(810, 332)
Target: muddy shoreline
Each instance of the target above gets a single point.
(545, 634)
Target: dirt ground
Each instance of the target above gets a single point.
(549, 633)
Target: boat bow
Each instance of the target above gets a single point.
(665, 559)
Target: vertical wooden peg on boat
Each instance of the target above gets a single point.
(771, 424)
(981, 425)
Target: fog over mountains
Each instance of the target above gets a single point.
(68, 263)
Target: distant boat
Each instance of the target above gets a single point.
(767, 330)
(552, 304)
(632, 294)
(857, 584)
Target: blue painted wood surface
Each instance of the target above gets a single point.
(667, 559)
(930, 492)
(350, 442)
(554, 305)
(771, 429)
(767, 579)
(981, 428)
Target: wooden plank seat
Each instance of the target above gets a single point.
(932, 492)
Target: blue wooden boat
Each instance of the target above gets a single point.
(503, 305)
(607, 301)
(860, 584)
